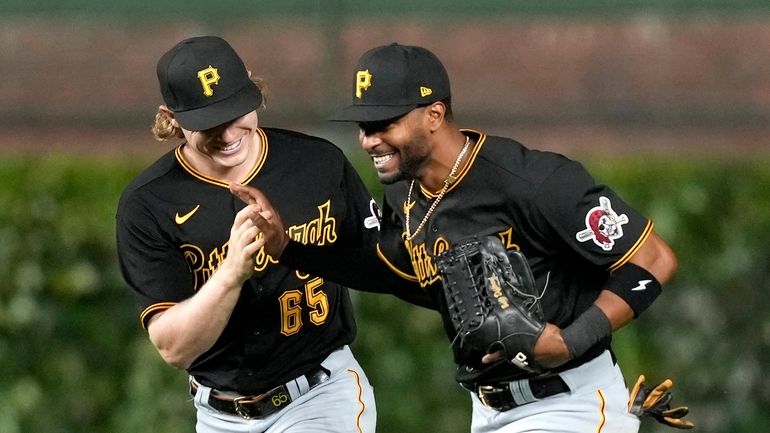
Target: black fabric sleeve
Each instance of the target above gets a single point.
(150, 264)
(357, 268)
(588, 217)
(362, 214)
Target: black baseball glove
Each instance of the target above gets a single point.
(655, 402)
(492, 301)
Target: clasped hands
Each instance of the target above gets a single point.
(266, 219)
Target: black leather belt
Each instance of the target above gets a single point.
(506, 396)
(262, 405)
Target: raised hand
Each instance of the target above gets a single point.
(267, 220)
(243, 245)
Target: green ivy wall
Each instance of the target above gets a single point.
(73, 357)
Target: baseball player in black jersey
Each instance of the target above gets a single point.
(597, 262)
(265, 345)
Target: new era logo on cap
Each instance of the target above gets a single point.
(205, 83)
(392, 80)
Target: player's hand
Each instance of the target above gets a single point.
(550, 350)
(267, 220)
(655, 402)
(243, 245)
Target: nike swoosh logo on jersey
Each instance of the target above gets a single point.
(180, 219)
(642, 285)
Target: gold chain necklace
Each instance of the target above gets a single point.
(447, 183)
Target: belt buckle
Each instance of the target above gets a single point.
(242, 410)
(482, 391)
(277, 397)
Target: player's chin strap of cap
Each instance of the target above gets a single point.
(634, 284)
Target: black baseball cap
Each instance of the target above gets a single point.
(392, 80)
(205, 83)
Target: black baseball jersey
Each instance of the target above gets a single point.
(572, 231)
(173, 226)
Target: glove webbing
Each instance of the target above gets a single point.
(481, 302)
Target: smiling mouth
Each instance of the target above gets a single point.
(231, 147)
(380, 160)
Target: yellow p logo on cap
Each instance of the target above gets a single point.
(363, 82)
(208, 77)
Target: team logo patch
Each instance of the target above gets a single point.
(373, 220)
(603, 225)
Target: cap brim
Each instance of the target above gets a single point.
(246, 100)
(371, 113)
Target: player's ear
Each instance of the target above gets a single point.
(169, 115)
(436, 112)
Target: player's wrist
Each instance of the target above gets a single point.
(587, 330)
(550, 350)
(284, 242)
(231, 274)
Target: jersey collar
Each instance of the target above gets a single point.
(208, 179)
(480, 138)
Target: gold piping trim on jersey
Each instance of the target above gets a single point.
(197, 174)
(630, 253)
(262, 156)
(602, 406)
(154, 308)
(471, 158)
(360, 400)
(398, 272)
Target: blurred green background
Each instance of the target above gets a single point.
(667, 101)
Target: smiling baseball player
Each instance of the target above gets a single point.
(596, 262)
(265, 345)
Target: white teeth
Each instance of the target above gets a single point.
(382, 159)
(231, 146)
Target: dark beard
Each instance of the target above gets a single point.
(412, 159)
(388, 179)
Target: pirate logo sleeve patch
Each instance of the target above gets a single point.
(603, 225)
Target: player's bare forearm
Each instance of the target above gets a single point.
(657, 257)
(550, 349)
(632, 287)
(617, 311)
(189, 328)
